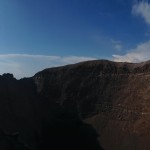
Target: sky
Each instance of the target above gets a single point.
(39, 34)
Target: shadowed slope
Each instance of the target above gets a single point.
(67, 131)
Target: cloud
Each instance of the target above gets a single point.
(117, 45)
(142, 50)
(139, 54)
(25, 65)
(147, 34)
(142, 9)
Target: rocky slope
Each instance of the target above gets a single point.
(113, 97)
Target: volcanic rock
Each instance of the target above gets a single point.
(113, 97)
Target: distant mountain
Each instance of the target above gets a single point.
(113, 97)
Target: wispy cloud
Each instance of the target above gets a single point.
(117, 45)
(142, 9)
(147, 34)
(142, 51)
(25, 65)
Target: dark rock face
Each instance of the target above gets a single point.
(113, 97)
(67, 131)
(18, 108)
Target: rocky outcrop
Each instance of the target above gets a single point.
(113, 97)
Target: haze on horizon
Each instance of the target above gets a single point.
(35, 35)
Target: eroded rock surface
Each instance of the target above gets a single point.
(113, 97)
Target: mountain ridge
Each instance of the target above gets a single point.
(115, 92)
(113, 97)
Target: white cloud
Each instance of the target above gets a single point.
(142, 9)
(142, 51)
(25, 65)
(139, 54)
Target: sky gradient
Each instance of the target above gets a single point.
(44, 33)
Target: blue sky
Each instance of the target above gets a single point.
(36, 34)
